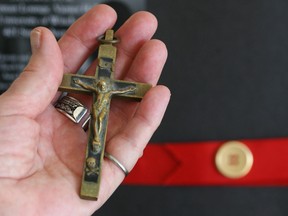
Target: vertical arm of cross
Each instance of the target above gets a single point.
(106, 56)
(100, 113)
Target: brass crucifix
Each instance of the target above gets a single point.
(102, 86)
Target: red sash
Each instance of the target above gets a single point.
(192, 164)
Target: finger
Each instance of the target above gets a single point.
(134, 33)
(129, 144)
(80, 40)
(138, 29)
(148, 63)
(146, 68)
(36, 86)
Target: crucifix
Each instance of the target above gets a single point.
(102, 87)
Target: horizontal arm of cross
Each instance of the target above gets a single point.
(68, 85)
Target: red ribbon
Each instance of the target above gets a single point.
(192, 164)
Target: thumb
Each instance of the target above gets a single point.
(36, 86)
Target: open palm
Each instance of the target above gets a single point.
(42, 151)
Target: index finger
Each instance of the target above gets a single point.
(80, 40)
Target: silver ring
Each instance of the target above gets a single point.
(117, 163)
(85, 124)
(71, 108)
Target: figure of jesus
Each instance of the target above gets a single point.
(103, 92)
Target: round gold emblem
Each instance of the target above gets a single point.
(234, 159)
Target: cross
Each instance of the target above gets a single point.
(102, 86)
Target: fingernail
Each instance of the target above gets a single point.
(35, 39)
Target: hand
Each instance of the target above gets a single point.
(77, 81)
(42, 151)
(133, 88)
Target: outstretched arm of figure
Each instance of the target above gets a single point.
(84, 85)
(124, 90)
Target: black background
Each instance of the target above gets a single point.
(227, 70)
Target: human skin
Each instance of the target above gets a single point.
(41, 150)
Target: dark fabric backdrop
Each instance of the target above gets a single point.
(227, 70)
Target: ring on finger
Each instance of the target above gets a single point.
(117, 163)
(71, 108)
